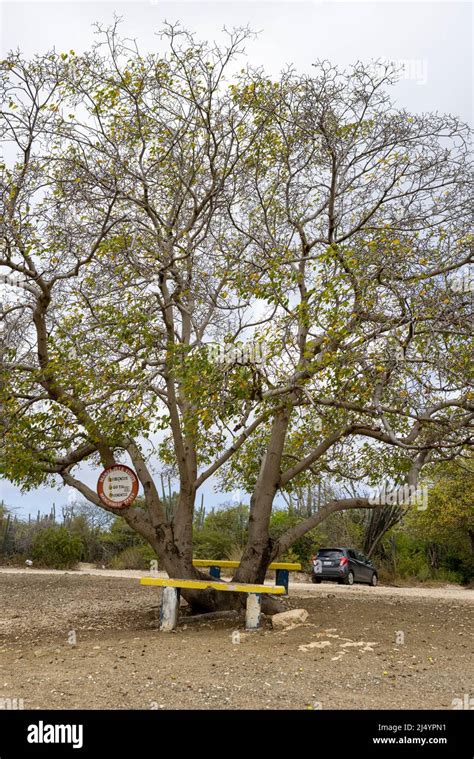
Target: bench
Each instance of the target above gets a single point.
(171, 593)
(282, 569)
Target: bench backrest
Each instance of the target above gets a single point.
(224, 564)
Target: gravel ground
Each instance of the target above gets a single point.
(299, 582)
(350, 653)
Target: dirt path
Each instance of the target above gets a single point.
(358, 649)
(447, 592)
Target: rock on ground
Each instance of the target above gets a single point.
(286, 620)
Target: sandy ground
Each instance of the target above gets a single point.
(349, 654)
(299, 584)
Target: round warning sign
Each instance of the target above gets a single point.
(117, 486)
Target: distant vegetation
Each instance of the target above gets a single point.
(435, 544)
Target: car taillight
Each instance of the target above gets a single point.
(343, 562)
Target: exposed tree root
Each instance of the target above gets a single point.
(226, 614)
(213, 601)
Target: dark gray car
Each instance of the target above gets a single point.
(344, 565)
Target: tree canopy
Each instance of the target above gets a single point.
(155, 206)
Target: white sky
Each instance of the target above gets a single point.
(433, 40)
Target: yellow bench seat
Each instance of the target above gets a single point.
(224, 564)
(170, 597)
(231, 587)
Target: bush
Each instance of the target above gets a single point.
(119, 537)
(134, 557)
(447, 575)
(302, 550)
(235, 553)
(460, 566)
(424, 573)
(55, 547)
(92, 548)
(386, 575)
(211, 544)
(222, 534)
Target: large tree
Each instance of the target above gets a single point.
(152, 206)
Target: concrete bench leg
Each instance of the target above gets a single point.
(169, 609)
(253, 611)
(282, 578)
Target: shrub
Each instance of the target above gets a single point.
(212, 544)
(424, 573)
(235, 553)
(222, 533)
(304, 548)
(134, 557)
(386, 574)
(55, 547)
(448, 575)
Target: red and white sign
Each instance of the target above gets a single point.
(117, 486)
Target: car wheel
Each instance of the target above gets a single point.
(374, 580)
(315, 579)
(350, 578)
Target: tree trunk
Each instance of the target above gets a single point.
(471, 538)
(173, 546)
(260, 549)
(433, 555)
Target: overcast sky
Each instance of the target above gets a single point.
(432, 41)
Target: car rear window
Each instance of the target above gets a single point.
(329, 553)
